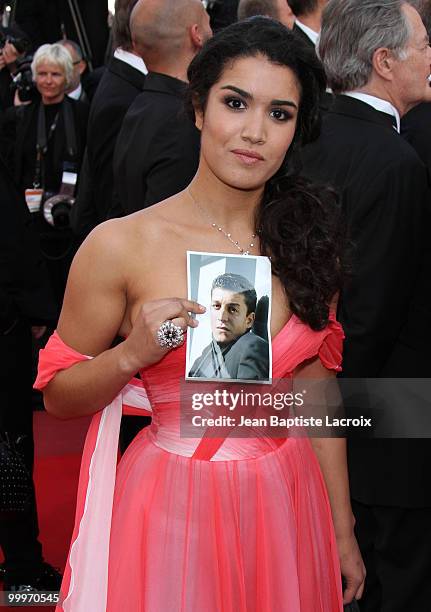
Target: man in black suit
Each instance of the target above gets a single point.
(122, 81)
(377, 62)
(157, 151)
(234, 352)
(308, 20)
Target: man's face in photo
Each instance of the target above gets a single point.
(229, 318)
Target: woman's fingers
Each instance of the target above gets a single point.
(176, 308)
(148, 341)
(354, 585)
(360, 591)
(180, 322)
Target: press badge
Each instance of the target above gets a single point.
(33, 198)
(69, 178)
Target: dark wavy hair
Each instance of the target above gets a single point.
(299, 224)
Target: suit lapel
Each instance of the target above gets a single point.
(303, 36)
(344, 105)
(127, 72)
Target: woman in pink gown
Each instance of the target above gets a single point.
(236, 524)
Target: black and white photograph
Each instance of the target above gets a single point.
(232, 341)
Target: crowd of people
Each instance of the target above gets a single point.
(299, 132)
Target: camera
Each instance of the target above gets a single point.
(21, 44)
(56, 209)
(23, 79)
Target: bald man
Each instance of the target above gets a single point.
(75, 90)
(276, 9)
(157, 150)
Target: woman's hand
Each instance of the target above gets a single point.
(141, 348)
(352, 567)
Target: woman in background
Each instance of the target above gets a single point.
(41, 141)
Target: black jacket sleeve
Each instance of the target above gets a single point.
(387, 224)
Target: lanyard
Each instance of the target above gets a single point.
(43, 139)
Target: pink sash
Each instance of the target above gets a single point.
(89, 551)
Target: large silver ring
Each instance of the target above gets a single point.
(170, 335)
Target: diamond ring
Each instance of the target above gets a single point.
(170, 335)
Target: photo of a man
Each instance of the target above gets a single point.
(235, 351)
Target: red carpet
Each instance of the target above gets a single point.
(58, 446)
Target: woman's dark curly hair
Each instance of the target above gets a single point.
(299, 224)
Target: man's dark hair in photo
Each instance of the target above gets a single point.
(238, 284)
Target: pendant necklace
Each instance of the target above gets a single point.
(221, 230)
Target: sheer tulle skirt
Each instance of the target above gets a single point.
(249, 535)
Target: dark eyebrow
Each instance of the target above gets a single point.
(239, 91)
(248, 96)
(283, 103)
(228, 304)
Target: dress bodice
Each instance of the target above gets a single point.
(163, 381)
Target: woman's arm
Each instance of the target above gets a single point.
(331, 454)
(93, 315)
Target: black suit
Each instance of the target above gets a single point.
(245, 359)
(327, 97)
(118, 87)
(385, 195)
(157, 151)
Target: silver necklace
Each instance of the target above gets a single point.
(221, 230)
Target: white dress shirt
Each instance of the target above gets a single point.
(76, 93)
(381, 105)
(130, 58)
(312, 35)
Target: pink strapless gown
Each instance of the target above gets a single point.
(248, 530)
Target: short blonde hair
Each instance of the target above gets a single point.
(54, 54)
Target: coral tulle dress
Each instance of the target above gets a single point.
(241, 526)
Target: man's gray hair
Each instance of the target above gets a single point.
(250, 8)
(352, 30)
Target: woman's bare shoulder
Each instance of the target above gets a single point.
(115, 245)
(156, 225)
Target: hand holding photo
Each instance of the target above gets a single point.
(232, 342)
